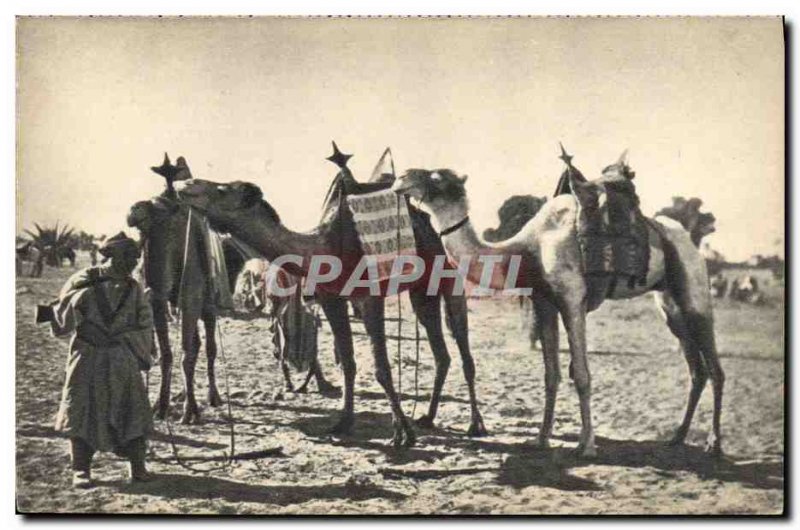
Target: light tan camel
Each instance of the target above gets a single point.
(238, 208)
(551, 266)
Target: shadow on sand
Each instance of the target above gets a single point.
(371, 430)
(200, 487)
(524, 465)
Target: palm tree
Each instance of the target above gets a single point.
(54, 242)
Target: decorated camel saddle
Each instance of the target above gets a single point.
(379, 217)
(612, 232)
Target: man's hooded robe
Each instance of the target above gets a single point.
(104, 400)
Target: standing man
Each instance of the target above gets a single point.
(37, 257)
(104, 404)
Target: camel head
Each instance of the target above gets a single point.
(439, 192)
(224, 203)
(620, 168)
(141, 216)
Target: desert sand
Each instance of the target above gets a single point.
(640, 386)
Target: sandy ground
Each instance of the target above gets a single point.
(640, 386)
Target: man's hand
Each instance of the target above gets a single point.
(44, 313)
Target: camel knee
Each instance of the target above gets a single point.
(469, 368)
(699, 377)
(552, 382)
(718, 377)
(442, 362)
(583, 382)
(188, 364)
(166, 360)
(383, 374)
(348, 364)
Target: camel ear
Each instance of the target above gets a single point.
(623, 158)
(251, 194)
(463, 178)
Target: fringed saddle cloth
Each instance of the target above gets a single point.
(384, 227)
(214, 267)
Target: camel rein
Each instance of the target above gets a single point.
(230, 455)
(400, 331)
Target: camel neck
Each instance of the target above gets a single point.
(463, 242)
(272, 239)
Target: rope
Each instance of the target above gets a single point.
(416, 368)
(231, 423)
(399, 315)
(228, 458)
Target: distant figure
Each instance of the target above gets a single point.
(37, 257)
(69, 254)
(719, 286)
(745, 289)
(93, 254)
(104, 404)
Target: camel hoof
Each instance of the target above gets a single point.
(714, 447)
(477, 429)
(159, 411)
(404, 438)
(302, 390)
(214, 399)
(328, 389)
(542, 442)
(676, 441)
(587, 452)
(424, 422)
(190, 417)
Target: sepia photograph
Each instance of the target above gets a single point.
(400, 266)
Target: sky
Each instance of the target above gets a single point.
(699, 103)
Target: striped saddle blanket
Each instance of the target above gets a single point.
(384, 227)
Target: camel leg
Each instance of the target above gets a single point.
(687, 285)
(303, 389)
(429, 313)
(373, 313)
(697, 370)
(191, 346)
(457, 316)
(161, 326)
(701, 328)
(336, 312)
(546, 322)
(210, 324)
(574, 317)
(323, 385)
(288, 385)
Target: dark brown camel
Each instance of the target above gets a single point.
(162, 223)
(168, 269)
(239, 209)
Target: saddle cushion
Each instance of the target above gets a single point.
(612, 232)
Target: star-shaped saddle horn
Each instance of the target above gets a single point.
(339, 158)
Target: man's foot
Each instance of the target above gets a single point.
(82, 480)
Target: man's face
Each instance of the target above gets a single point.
(125, 262)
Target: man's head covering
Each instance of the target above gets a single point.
(118, 245)
(182, 171)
